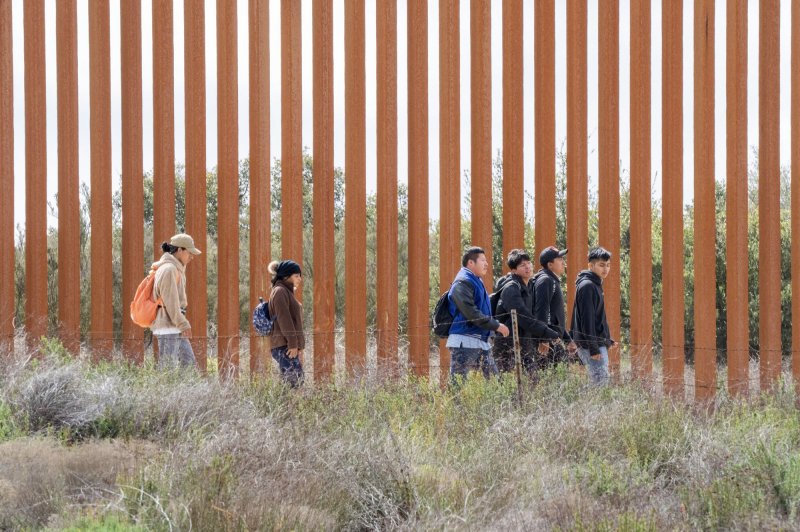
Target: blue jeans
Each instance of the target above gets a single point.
(291, 368)
(597, 369)
(466, 359)
(175, 350)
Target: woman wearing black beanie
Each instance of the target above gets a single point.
(288, 340)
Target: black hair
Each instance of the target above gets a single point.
(517, 257)
(166, 247)
(471, 255)
(599, 253)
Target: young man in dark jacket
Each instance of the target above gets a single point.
(548, 306)
(468, 340)
(516, 293)
(589, 325)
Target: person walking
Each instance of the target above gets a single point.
(171, 328)
(548, 306)
(288, 339)
(589, 325)
(514, 291)
(473, 323)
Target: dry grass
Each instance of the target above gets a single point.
(111, 446)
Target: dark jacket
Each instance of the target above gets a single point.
(516, 295)
(589, 325)
(469, 305)
(288, 328)
(548, 303)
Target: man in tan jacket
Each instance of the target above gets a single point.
(171, 326)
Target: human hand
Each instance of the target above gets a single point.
(187, 333)
(503, 330)
(544, 348)
(293, 352)
(572, 347)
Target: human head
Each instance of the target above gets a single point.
(552, 259)
(286, 270)
(182, 247)
(474, 259)
(519, 262)
(600, 261)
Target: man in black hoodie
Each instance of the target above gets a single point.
(589, 325)
(548, 306)
(516, 293)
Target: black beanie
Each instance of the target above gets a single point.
(286, 268)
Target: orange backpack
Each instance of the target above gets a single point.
(143, 306)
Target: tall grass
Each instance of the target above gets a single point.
(113, 447)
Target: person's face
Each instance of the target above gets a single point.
(479, 266)
(524, 270)
(600, 267)
(558, 266)
(295, 279)
(184, 256)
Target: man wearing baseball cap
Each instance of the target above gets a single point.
(548, 306)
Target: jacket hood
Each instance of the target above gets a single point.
(588, 275)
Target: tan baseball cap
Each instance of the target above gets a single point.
(184, 241)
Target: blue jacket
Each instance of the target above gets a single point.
(469, 306)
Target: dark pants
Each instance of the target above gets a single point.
(506, 361)
(291, 368)
(556, 355)
(465, 359)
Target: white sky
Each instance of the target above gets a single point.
(433, 102)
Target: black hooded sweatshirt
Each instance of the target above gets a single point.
(514, 294)
(589, 325)
(548, 303)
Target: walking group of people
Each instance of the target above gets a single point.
(546, 338)
(173, 330)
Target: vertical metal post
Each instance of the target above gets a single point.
(796, 194)
(102, 323)
(641, 239)
(545, 123)
(449, 157)
(517, 353)
(35, 172)
(196, 200)
(387, 297)
(69, 227)
(228, 186)
(6, 180)
(737, 196)
(672, 142)
(481, 172)
(513, 102)
(292, 133)
(163, 125)
(577, 156)
(130, 19)
(260, 235)
(608, 143)
(418, 243)
(705, 232)
(769, 230)
(324, 245)
(355, 189)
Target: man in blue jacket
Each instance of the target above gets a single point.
(589, 324)
(472, 318)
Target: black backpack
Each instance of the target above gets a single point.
(442, 319)
(494, 297)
